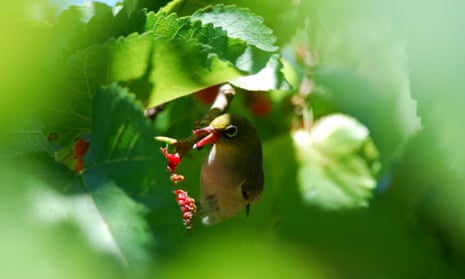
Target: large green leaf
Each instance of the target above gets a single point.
(25, 196)
(214, 39)
(83, 73)
(177, 71)
(73, 21)
(123, 182)
(259, 59)
(92, 22)
(123, 151)
(174, 57)
(338, 163)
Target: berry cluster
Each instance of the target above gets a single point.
(187, 205)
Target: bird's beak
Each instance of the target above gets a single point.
(212, 136)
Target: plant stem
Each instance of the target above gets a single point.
(221, 104)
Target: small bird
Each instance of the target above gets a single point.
(231, 178)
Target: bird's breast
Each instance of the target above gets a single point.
(221, 186)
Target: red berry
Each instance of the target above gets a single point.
(80, 147)
(301, 52)
(187, 215)
(79, 150)
(260, 104)
(181, 196)
(207, 95)
(187, 206)
(173, 159)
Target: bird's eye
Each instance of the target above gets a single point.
(231, 131)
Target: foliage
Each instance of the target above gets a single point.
(353, 186)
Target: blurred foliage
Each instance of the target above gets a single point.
(88, 72)
(338, 161)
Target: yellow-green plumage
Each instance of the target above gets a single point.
(232, 174)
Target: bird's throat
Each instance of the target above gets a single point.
(211, 156)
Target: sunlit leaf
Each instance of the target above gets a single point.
(180, 63)
(239, 23)
(338, 163)
(259, 59)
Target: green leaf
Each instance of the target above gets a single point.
(149, 5)
(338, 163)
(173, 58)
(82, 13)
(124, 59)
(259, 60)
(30, 236)
(215, 40)
(179, 65)
(73, 21)
(239, 23)
(28, 138)
(268, 78)
(112, 221)
(123, 181)
(92, 23)
(123, 154)
(130, 6)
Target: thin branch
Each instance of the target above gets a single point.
(154, 111)
(221, 104)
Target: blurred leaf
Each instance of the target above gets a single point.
(339, 163)
(25, 83)
(149, 5)
(48, 250)
(225, 256)
(99, 215)
(370, 243)
(28, 138)
(363, 66)
(92, 22)
(430, 178)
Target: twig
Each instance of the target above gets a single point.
(222, 101)
(154, 111)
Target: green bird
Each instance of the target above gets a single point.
(231, 178)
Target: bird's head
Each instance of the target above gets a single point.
(228, 129)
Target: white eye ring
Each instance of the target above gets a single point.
(231, 131)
